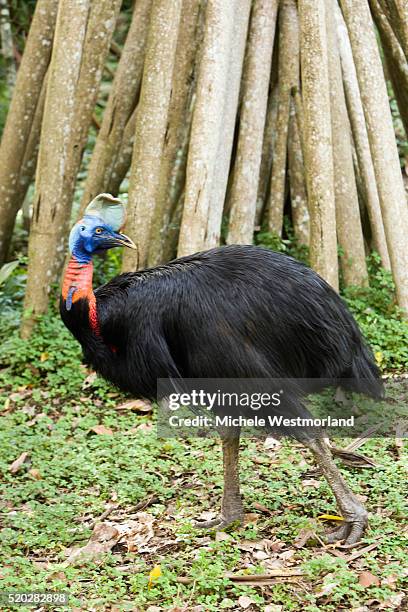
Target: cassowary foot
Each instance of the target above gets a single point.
(355, 517)
(221, 522)
(352, 530)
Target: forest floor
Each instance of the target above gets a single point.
(87, 456)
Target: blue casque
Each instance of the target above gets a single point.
(90, 235)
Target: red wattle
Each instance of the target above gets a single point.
(78, 279)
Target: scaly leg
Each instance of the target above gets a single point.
(231, 506)
(353, 512)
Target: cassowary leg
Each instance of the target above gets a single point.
(231, 506)
(353, 512)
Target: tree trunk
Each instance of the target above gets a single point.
(22, 109)
(172, 235)
(268, 145)
(317, 140)
(57, 129)
(255, 86)
(397, 10)
(151, 127)
(288, 78)
(122, 100)
(359, 129)
(100, 27)
(230, 111)
(31, 153)
(382, 140)
(349, 230)
(123, 159)
(177, 124)
(395, 61)
(7, 46)
(298, 194)
(213, 124)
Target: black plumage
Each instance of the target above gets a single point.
(230, 312)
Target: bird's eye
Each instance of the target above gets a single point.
(98, 230)
(83, 228)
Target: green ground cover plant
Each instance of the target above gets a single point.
(90, 450)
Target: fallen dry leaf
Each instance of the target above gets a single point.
(18, 463)
(394, 602)
(251, 517)
(287, 554)
(102, 430)
(137, 533)
(262, 508)
(311, 482)
(367, 579)
(260, 555)
(221, 536)
(89, 380)
(137, 405)
(245, 601)
(143, 427)
(390, 581)
(303, 537)
(272, 443)
(328, 587)
(34, 473)
(103, 538)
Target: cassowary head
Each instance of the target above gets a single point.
(98, 230)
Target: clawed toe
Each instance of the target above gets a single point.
(220, 523)
(207, 524)
(350, 531)
(338, 534)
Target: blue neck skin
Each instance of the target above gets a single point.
(81, 255)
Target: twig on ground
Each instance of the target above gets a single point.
(153, 499)
(257, 579)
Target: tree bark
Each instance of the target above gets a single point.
(288, 78)
(22, 109)
(234, 76)
(360, 136)
(213, 124)
(397, 11)
(255, 85)
(177, 125)
(101, 24)
(349, 230)
(29, 164)
(7, 47)
(57, 129)
(382, 140)
(317, 140)
(173, 231)
(123, 159)
(298, 194)
(151, 127)
(122, 101)
(268, 145)
(395, 61)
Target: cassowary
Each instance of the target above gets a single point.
(230, 312)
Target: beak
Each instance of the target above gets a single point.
(125, 241)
